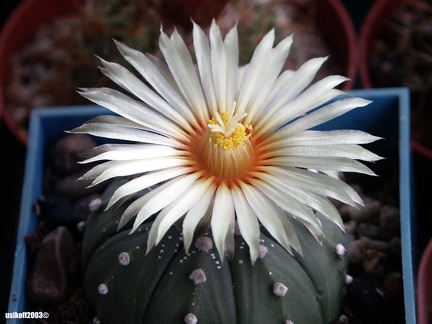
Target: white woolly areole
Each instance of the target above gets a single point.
(124, 258)
(262, 251)
(103, 289)
(204, 243)
(190, 319)
(340, 249)
(279, 289)
(198, 276)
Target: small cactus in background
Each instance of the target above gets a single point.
(168, 285)
(238, 226)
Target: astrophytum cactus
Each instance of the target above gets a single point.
(237, 226)
(168, 285)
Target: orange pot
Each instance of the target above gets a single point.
(16, 32)
(424, 287)
(30, 15)
(372, 27)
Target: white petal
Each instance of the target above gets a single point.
(324, 114)
(182, 205)
(145, 181)
(124, 152)
(350, 151)
(295, 84)
(313, 137)
(219, 66)
(155, 76)
(176, 209)
(252, 81)
(328, 186)
(278, 89)
(223, 214)
(224, 57)
(166, 196)
(318, 163)
(134, 208)
(315, 96)
(179, 60)
(232, 61)
(114, 127)
(272, 218)
(286, 202)
(112, 169)
(131, 83)
(202, 51)
(196, 213)
(134, 110)
(302, 196)
(247, 222)
(268, 76)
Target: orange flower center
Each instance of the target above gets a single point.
(225, 149)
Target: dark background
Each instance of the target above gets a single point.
(12, 157)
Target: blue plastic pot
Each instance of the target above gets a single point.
(388, 116)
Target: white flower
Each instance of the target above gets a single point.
(227, 145)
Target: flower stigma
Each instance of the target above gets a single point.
(226, 149)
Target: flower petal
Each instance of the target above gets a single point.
(351, 151)
(131, 83)
(179, 60)
(287, 203)
(120, 128)
(134, 110)
(166, 196)
(124, 152)
(293, 83)
(329, 187)
(302, 196)
(224, 58)
(314, 137)
(223, 216)
(252, 78)
(272, 218)
(133, 209)
(268, 77)
(313, 97)
(156, 78)
(202, 51)
(145, 181)
(324, 114)
(176, 208)
(112, 169)
(196, 213)
(247, 222)
(314, 162)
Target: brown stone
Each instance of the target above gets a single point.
(49, 282)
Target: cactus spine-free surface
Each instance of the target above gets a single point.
(169, 285)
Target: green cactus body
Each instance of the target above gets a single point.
(168, 285)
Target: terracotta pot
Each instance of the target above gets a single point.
(424, 287)
(372, 27)
(17, 31)
(333, 20)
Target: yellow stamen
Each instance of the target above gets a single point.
(226, 149)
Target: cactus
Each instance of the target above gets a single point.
(168, 285)
(226, 171)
